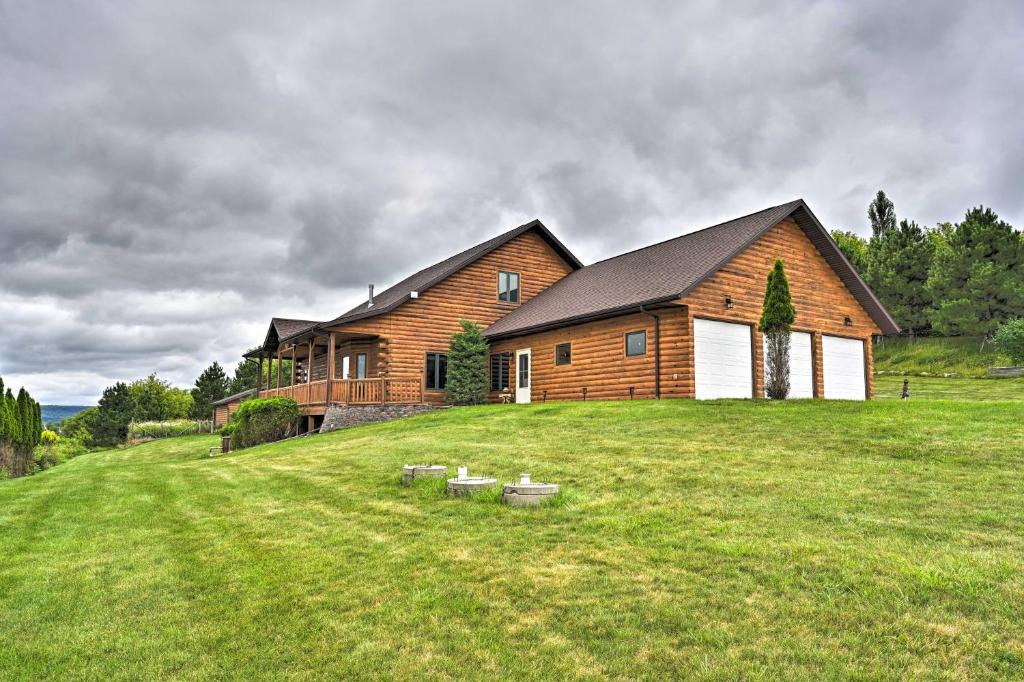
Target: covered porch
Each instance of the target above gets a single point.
(333, 369)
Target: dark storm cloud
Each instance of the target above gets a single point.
(172, 174)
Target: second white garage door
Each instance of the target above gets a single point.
(723, 366)
(801, 365)
(842, 363)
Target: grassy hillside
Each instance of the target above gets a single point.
(696, 540)
(958, 356)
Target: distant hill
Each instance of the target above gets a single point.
(52, 413)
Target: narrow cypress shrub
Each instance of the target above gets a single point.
(777, 316)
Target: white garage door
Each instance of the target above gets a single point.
(722, 360)
(842, 363)
(801, 365)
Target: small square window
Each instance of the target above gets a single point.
(636, 343)
(563, 354)
(508, 287)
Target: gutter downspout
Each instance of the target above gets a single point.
(657, 351)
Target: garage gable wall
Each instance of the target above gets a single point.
(820, 298)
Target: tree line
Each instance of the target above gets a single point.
(955, 279)
(153, 399)
(21, 428)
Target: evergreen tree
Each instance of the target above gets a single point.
(13, 422)
(898, 267)
(212, 385)
(245, 376)
(855, 249)
(882, 214)
(26, 421)
(110, 425)
(5, 428)
(777, 317)
(467, 366)
(977, 275)
(37, 429)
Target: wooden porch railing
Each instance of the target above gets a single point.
(379, 391)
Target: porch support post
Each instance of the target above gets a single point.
(330, 364)
(309, 361)
(293, 365)
(259, 374)
(278, 368)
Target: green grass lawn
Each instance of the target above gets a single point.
(695, 540)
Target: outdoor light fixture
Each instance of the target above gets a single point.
(847, 321)
(728, 301)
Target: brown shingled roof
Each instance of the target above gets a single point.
(232, 398)
(281, 328)
(670, 270)
(392, 297)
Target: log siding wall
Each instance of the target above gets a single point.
(425, 324)
(598, 352)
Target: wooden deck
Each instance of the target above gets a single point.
(380, 391)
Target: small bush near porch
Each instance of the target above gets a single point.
(262, 420)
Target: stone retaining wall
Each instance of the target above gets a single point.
(1006, 371)
(344, 416)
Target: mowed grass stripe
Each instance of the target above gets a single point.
(807, 539)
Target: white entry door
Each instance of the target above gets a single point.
(523, 376)
(722, 360)
(801, 365)
(842, 363)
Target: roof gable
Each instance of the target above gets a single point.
(281, 329)
(394, 296)
(671, 269)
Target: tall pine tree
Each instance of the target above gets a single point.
(898, 265)
(110, 426)
(977, 275)
(882, 214)
(211, 386)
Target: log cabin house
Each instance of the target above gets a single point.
(677, 319)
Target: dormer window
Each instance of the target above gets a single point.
(508, 287)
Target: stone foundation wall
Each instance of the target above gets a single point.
(344, 416)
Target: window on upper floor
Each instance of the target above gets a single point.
(508, 287)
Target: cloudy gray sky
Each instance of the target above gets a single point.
(174, 173)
